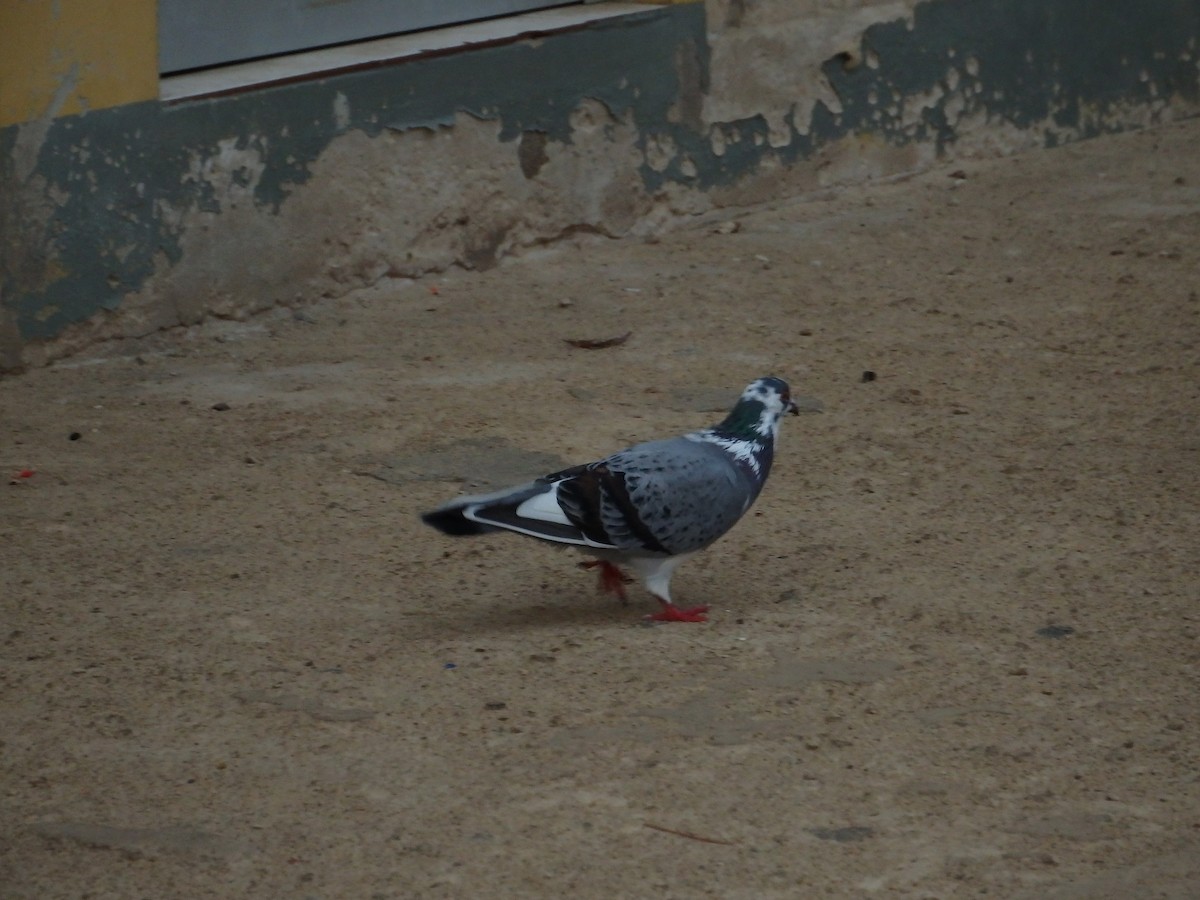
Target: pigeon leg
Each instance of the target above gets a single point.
(672, 613)
(612, 579)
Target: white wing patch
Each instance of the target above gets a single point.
(544, 507)
(541, 507)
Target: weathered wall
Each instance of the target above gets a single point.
(143, 216)
(150, 215)
(53, 63)
(848, 89)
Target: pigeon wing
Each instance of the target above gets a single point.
(662, 497)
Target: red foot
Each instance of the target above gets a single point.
(672, 613)
(612, 579)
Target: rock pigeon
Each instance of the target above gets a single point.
(649, 507)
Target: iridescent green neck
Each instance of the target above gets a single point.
(744, 421)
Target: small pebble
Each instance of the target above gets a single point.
(221, 407)
(868, 375)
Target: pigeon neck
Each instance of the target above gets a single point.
(748, 421)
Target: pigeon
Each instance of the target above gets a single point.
(649, 507)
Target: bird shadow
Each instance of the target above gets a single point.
(543, 615)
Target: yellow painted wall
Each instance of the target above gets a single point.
(59, 57)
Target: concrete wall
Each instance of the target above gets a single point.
(852, 89)
(142, 215)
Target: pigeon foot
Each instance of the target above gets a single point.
(672, 613)
(612, 579)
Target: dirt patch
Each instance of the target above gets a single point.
(952, 650)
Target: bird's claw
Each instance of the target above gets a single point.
(672, 613)
(612, 579)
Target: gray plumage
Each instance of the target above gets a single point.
(648, 507)
(685, 493)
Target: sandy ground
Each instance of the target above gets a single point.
(953, 651)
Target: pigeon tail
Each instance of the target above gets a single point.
(531, 509)
(450, 520)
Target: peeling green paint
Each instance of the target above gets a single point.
(91, 205)
(1025, 62)
(116, 172)
(1062, 65)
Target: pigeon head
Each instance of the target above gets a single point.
(755, 417)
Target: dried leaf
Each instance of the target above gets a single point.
(586, 344)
